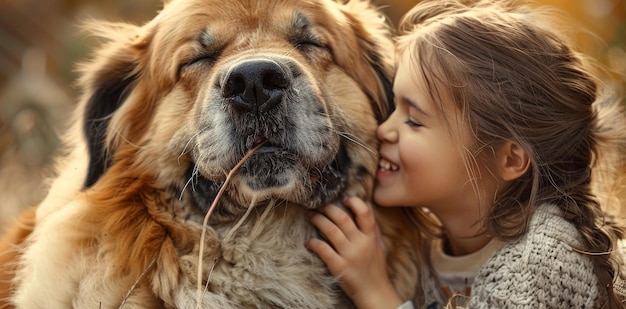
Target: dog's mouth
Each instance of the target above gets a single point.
(273, 173)
(268, 167)
(272, 166)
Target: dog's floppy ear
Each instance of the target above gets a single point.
(107, 81)
(376, 48)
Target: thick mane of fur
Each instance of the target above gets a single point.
(157, 130)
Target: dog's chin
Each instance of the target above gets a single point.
(272, 174)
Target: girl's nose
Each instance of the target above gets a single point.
(386, 132)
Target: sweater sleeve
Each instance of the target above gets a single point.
(539, 270)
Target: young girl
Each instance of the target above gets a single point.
(498, 123)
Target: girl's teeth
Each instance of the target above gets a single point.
(388, 166)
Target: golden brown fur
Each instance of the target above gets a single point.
(168, 109)
(9, 251)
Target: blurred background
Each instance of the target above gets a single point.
(40, 42)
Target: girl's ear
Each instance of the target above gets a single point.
(513, 161)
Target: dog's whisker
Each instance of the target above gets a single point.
(185, 151)
(195, 173)
(191, 181)
(355, 140)
(182, 192)
(349, 136)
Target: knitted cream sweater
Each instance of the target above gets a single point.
(538, 270)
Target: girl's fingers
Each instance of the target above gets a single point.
(330, 230)
(342, 220)
(333, 261)
(363, 213)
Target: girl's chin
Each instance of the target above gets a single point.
(385, 199)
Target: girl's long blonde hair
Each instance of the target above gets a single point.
(514, 78)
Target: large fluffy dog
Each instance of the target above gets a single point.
(168, 110)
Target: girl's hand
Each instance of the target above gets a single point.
(357, 256)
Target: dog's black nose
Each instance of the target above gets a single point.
(256, 85)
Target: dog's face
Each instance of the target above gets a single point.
(207, 80)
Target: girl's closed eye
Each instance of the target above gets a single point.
(413, 123)
(413, 113)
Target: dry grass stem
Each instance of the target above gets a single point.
(208, 215)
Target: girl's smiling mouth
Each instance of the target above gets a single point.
(385, 165)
